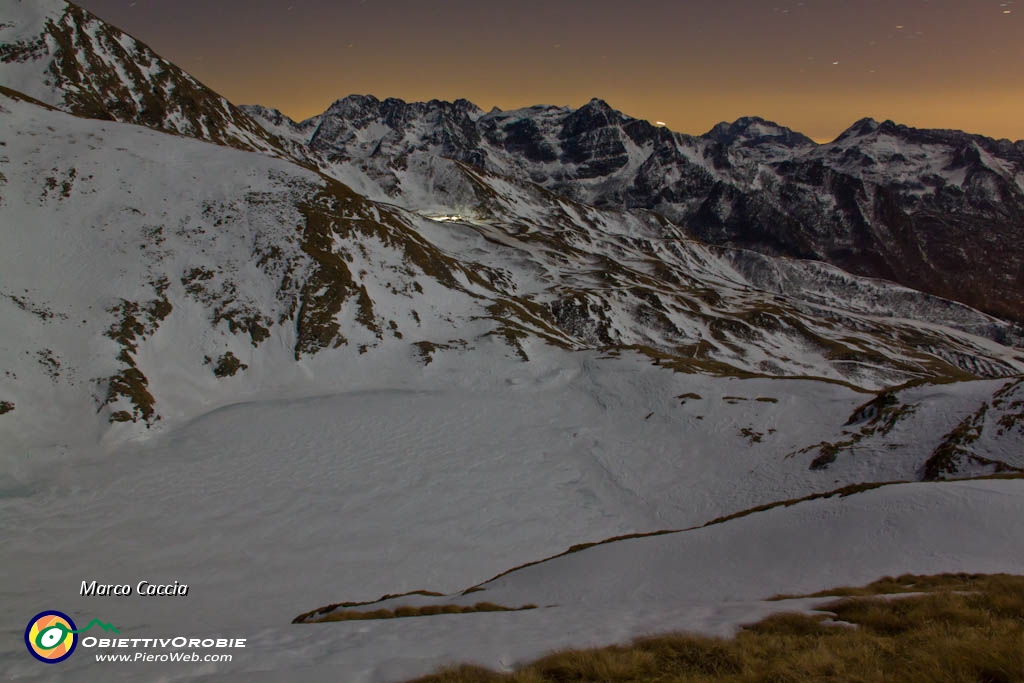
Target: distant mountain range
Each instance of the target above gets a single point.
(920, 207)
(937, 210)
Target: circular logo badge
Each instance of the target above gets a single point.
(50, 636)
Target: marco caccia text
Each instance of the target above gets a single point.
(144, 588)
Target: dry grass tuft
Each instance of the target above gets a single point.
(954, 628)
(910, 583)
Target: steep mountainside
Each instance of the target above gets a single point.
(62, 55)
(923, 208)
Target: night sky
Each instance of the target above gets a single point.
(815, 66)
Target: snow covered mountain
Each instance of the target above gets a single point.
(206, 274)
(405, 346)
(919, 207)
(248, 263)
(64, 56)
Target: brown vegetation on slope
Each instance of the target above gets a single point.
(954, 628)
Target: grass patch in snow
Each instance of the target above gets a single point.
(841, 492)
(134, 322)
(408, 611)
(428, 348)
(19, 96)
(309, 616)
(6, 407)
(751, 435)
(228, 365)
(132, 385)
(954, 453)
(695, 359)
(905, 583)
(960, 628)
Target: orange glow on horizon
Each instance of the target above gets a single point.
(822, 121)
(812, 66)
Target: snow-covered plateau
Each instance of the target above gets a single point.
(272, 507)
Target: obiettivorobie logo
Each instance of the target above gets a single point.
(51, 636)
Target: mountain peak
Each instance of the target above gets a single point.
(269, 114)
(865, 125)
(752, 130)
(66, 57)
(393, 110)
(597, 106)
(352, 102)
(924, 136)
(462, 104)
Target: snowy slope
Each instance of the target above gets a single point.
(709, 580)
(249, 564)
(166, 258)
